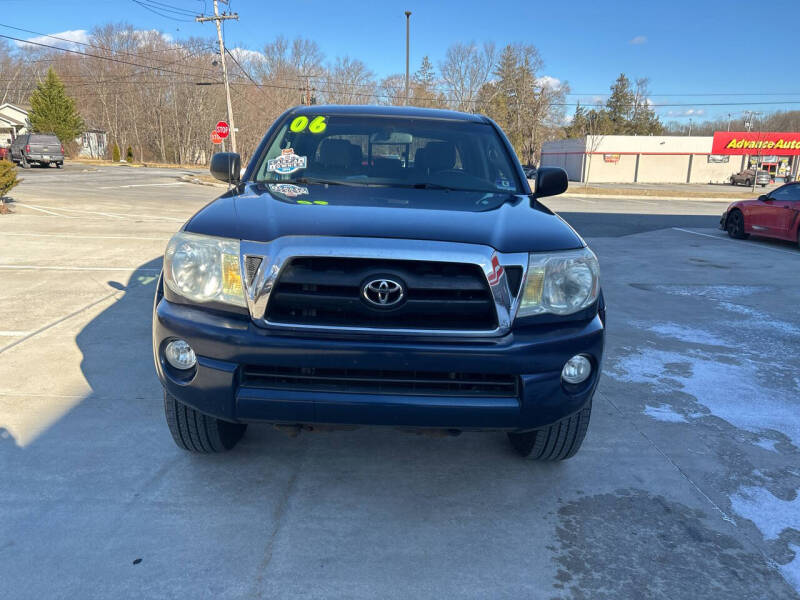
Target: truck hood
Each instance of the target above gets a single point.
(506, 222)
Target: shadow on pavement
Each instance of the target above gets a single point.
(603, 224)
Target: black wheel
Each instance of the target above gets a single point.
(23, 162)
(763, 185)
(733, 181)
(59, 165)
(735, 225)
(747, 182)
(559, 441)
(197, 432)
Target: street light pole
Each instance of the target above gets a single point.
(217, 18)
(408, 25)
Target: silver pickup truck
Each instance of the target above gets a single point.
(37, 148)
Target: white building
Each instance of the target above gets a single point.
(647, 159)
(13, 123)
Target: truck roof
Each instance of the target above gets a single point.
(387, 111)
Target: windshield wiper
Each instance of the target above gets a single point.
(315, 180)
(427, 185)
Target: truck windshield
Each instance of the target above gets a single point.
(389, 151)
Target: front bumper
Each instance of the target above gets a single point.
(224, 344)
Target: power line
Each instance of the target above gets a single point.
(86, 54)
(247, 73)
(88, 45)
(172, 8)
(157, 11)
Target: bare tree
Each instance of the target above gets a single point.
(464, 70)
(349, 81)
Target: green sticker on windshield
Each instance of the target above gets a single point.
(299, 124)
(318, 124)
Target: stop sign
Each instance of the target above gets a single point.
(222, 129)
(216, 138)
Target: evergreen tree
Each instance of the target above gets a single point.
(129, 155)
(425, 75)
(115, 153)
(620, 105)
(8, 180)
(53, 111)
(580, 123)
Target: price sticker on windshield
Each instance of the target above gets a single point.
(287, 162)
(315, 125)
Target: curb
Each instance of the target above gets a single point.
(196, 181)
(617, 197)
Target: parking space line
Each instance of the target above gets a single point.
(120, 216)
(50, 212)
(61, 268)
(133, 185)
(722, 238)
(13, 333)
(57, 321)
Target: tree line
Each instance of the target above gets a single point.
(162, 97)
(627, 111)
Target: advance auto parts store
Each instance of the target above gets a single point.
(674, 159)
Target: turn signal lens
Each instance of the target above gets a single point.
(231, 275)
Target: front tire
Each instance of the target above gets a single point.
(559, 441)
(735, 225)
(747, 183)
(198, 432)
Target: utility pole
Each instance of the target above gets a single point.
(690, 126)
(408, 25)
(729, 121)
(217, 18)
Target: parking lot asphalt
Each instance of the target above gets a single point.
(686, 487)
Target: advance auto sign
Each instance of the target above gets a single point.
(753, 142)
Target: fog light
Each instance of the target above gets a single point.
(577, 369)
(180, 354)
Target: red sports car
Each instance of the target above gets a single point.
(776, 214)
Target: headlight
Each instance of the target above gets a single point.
(202, 268)
(560, 283)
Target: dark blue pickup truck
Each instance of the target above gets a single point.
(380, 266)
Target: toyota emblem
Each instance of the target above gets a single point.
(383, 293)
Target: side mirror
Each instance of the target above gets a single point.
(226, 166)
(764, 198)
(550, 181)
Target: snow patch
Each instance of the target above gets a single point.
(767, 444)
(729, 391)
(664, 412)
(689, 335)
(771, 515)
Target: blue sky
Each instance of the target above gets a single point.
(685, 47)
